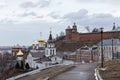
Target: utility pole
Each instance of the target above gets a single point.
(102, 57)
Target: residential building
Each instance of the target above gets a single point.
(111, 49)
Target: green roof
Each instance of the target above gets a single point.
(113, 26)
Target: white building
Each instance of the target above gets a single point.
(34, 59)
(50, 50)
(111, 49)
(43, 57)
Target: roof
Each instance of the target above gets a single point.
(37, 54)
(50, 39)
(60, 54)
(20, 53)
(113, 26)
(44, 59)
(41, 40)
(109, 42)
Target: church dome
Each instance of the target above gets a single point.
(35, 43)
(18, 46)
(20, 53)
(40, 40)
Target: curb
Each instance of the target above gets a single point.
(47, 78)
(97, 75)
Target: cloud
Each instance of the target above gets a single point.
(77, 15)
(28, 14)
(44, 3)
(40, 3)
(114, 2)
(54, 15)
(83, 18)
(28, 5)
(2, 5)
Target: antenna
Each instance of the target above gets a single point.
(40, 34)
(50, 30)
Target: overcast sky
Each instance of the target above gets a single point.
(21, 21)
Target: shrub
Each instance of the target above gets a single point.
(27, 66)
(22, 65)
(17, 66)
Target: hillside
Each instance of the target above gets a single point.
(70, 46)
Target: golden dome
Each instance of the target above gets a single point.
(40, 40)
(33, 44)
(20, 53)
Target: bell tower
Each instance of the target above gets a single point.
(50, 50)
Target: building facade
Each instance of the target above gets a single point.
(111, 49)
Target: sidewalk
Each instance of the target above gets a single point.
(47, 73)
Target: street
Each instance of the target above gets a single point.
(81, 72)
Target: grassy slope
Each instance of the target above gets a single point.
(112, 71)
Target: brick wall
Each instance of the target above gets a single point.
(90, 37)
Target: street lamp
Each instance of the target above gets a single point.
(102, 57)
(80, 55)
(91, 53)
(112, 50)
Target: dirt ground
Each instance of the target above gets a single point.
(112, 71)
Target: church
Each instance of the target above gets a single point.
(43, 54)
(39, 45)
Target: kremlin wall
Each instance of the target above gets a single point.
(73, 39)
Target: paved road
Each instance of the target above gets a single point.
(81, 72)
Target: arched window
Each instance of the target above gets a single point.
(50, 52)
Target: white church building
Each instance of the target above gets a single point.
(44, 58)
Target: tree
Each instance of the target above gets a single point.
(27, 66)
(17, 66)
(22, 65)
(61, 33)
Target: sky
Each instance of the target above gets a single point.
(22, 21)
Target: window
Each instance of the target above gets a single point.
(53, 52)
(109, 48)
(50, 52)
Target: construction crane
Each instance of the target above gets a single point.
(87, 28)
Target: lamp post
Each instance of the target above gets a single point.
(90, 50)
(80, 55)
(102, 57)
(112, 50)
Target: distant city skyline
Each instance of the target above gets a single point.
(21, 21)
